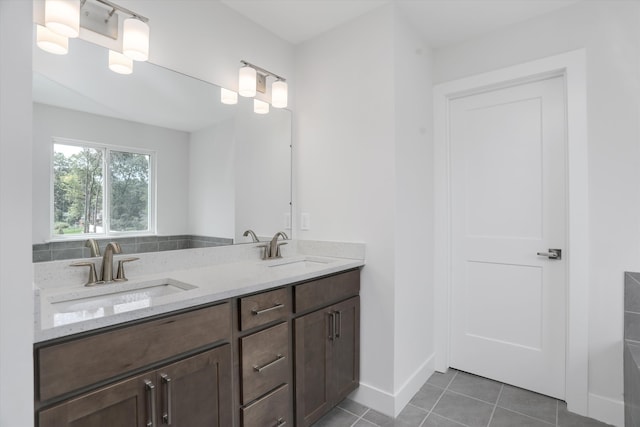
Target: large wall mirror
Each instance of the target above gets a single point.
(220, 169)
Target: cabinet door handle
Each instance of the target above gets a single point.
(266, 310)
(166, 413)
(280, 422)
(151, 403)
(332, 325)
(273, 362)
(338, 329)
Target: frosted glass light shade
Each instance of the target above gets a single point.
(51, 42)
(135, 39)
(260, 107)
(247, 81)
(279, 92)
(63, 17)
(119, 63)
(228, 96)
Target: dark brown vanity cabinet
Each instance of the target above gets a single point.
(194, 392)
(171, 371)
(327, 347)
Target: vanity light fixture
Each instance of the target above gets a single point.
(260, 107)
(51, 42)
(228, 96)
(253, 79)
(63, 17)
(119, 63)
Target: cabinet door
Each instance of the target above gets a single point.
(196, 392)
(346, 349)
(313, 366)
(129, 403)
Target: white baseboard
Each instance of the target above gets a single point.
(607, 410)
(392, 404)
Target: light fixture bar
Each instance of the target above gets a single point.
(124, 10)
(259, 69)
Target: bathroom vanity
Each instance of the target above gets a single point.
(278, 349)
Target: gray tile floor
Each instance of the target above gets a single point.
(458, 399)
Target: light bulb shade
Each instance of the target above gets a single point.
(247, 81)
(119, 63)
(260, 107)
(135, 39)
(51, 42)
(279, 94)
(228, 96)
(63, 17)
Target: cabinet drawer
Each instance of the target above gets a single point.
(322, 292)
(272, 410)
(68, 366)
(265, 361)
(260, 309)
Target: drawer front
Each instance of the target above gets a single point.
(270, 411)
(265, 361)
(325, 291)
(72, 365)
(260, 309)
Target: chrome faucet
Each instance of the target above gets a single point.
(252, 234)
(107, 261)
(274, 246)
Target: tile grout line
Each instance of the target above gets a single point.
(361, 417)
(444, 390)
(495, 405)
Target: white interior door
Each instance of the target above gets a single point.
(507, 204)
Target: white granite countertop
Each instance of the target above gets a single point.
(63, 311)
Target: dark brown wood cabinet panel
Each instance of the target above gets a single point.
(124, 404)
(263, 308)
(196, 392)
(327, 290)
(265, 361)
(71, 365)
(327, 358)
(313, 366)
(273, 410)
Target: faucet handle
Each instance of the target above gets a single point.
(93, 277)
(278, 253)
(120, 277)
(265, 252)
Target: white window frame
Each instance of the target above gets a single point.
(106, 190)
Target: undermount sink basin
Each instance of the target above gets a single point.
(298, 264)
(110, 299)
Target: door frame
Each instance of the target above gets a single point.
(572, 67)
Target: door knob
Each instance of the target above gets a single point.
(552, 254)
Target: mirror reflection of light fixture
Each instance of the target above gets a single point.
(63, 17)
(228, 96)
(252, 79)
(135, 39)
(260, 107)
(119, 63)
(51, 42)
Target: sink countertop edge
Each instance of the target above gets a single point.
(214, 283)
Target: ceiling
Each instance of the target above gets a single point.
(441, 22)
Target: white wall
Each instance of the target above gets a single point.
(212, 181)
(172, 161)
(610, 32)
(16, 273)
(362, 170)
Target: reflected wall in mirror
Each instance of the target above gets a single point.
(220, 169)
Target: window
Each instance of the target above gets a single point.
(100, 190)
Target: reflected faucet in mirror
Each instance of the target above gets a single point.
(92, 244)
(252, 234)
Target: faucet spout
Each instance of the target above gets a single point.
(93, 247)
(107, 260)
(274, 246)
(252, 234)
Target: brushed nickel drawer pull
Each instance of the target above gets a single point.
(151, 403)
(280, 422)
(332, 325)
(273, 362)
(338, 325)
(266, 310)
(166, 413)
